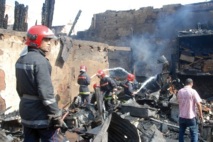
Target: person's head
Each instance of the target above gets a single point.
(39, 36)
(130, 77)
(189, 82)
(100, 74)
(83, 68)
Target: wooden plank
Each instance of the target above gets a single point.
(208, 66)
(187, 58)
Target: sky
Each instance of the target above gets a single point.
(66, 10)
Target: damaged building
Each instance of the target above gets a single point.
(121, 42)
(194, 59)
(148, 30)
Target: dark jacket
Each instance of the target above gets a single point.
(83, 81)
(128, 88)
(107, 84)
(34, 86)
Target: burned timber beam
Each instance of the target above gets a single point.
(21, 13)
(75, 21)
(5, 22)
(47, 13)
(2, 11)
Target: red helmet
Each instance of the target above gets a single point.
(101, 73)
(83, 68)
(96, 85)
(130, 77)
(36, 34)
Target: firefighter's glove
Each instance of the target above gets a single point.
(57, 122)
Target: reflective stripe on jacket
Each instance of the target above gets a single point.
(83, 81)
(33, 76)
(107, 84)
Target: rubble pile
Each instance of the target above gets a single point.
(131, 121)
(144, 119)
(11, 128)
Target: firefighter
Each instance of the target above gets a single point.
(108, 88)
(128, 87)
(38, 108)
(84, 81)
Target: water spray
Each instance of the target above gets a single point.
(112, 69)
(117, 68)
(93, 75)
(147, 81)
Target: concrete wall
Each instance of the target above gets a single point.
(92, 54)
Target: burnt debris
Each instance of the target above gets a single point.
(3, 19)
(21, 15)
(194, 59)
(134, 120)
(47, 13)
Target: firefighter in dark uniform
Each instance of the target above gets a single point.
(84, 81)
(108, 88)
(38, 108)
(128, 87)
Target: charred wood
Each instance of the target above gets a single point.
(75, 21)
(47, 13)
(5, 22)
(2, 11)
(21, 13)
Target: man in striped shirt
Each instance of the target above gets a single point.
(189, 100)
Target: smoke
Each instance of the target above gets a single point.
(115, 72)
(149, 46)
(172, 20)
(118, 73)
(145, 52)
